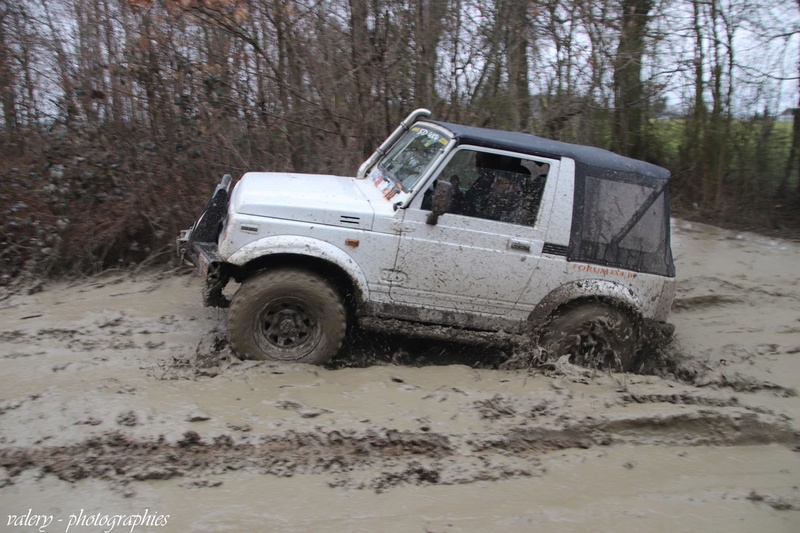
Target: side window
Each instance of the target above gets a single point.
(496, 187)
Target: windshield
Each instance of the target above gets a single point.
(410, 157)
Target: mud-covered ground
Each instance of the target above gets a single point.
(120, 398)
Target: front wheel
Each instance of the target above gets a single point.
(287, 315)
(593, 334)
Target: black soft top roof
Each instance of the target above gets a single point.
(607, 162)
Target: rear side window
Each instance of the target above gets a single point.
(624, 224)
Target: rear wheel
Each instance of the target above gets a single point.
(593, 334)
(287, 315)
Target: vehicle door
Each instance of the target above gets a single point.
(480, 256)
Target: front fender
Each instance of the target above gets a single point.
(302, 246)
(586, 288)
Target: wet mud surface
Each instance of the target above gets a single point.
(120, 393)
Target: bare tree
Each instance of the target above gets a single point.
(427, 33)
(7, 88)
(791, 159)
(630, 100)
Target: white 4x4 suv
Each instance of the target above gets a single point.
(459, 228)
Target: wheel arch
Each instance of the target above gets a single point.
(322, 258)
(591, 290)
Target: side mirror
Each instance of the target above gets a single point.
(442, 198)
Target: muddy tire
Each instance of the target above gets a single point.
(287, 315)
(594, 334)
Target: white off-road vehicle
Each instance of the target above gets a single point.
(446, 229)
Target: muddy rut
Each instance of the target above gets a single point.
(120, 393)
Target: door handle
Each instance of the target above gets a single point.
(522, 246)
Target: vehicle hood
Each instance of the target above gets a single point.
(315, 198)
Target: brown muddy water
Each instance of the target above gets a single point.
(118, 397)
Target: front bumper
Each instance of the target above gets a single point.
(198, 245)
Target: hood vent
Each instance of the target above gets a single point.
(348, 220)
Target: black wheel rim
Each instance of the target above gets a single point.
(287, 328)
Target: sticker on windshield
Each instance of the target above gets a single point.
(384, 184)
(432, 136)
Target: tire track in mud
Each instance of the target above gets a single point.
(515, 431)
(379, 460)
(732, 310)
(701, 292)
